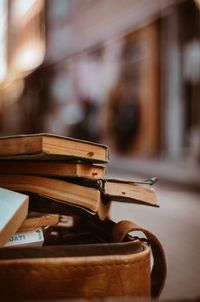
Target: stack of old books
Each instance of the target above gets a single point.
(44, 176)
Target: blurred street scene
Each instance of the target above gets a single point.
(122, 73)
(176, 223)
(126, 73)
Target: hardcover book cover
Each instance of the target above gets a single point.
(46, 146)
(13, 211)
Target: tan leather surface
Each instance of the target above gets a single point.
(76, 277)
(159, 270)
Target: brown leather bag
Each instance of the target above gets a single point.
(105, 262)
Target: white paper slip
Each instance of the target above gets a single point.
(32, 237)
(13, 211)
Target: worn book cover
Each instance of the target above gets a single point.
(122, 190)
(52, 168)
(45, 146)
(60, 190)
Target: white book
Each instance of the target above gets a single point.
(32, 237)
(13, 211)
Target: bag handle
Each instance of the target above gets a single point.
(159, 270)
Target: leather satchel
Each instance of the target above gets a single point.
(92, 259)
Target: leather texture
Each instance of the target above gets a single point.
(159, 270)
(121, 268)
(76, 277)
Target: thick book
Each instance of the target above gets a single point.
(13, 211)
(45, 146)
(130, 191)
(63, 191)
(94, 196)
(140, 192)
(52, 168)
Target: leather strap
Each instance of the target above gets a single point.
(159, 270)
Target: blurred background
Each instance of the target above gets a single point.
(126, 73)
(123, 73)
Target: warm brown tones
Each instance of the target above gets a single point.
(44, 146)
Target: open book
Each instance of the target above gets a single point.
(90, 195)
(130, 192)
(60, 190)
(44, 146)
(123, 190)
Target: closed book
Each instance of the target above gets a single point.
(52, 168)
(31, 237)
(131, 192)
(13, 211)
(45, 146)
(60, 190)
(123, 190)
